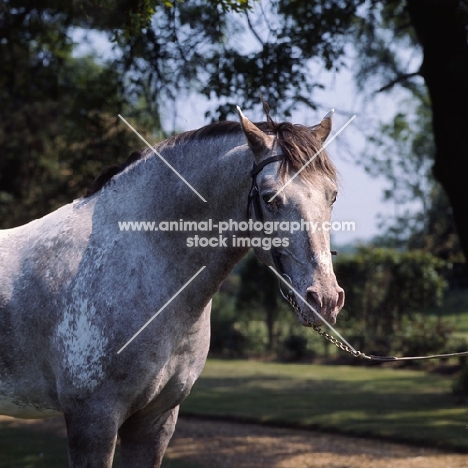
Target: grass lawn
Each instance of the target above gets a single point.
(402, 405)
(410, 406)
(27, 448)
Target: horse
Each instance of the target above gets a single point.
(76, 287)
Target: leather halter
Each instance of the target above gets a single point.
(254, 199)
(254, 193)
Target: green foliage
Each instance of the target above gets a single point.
(226, 50)
(387, 48)
(422, 335)
(388, 296)
(258, 295)
(165, 48)
(456, 309)
(59, 114)
(59, 111)
(227, 339)
(437, 233)
(296, 348)
(386, 291)
(405, 156)
(404, 149)
(285, 37)
(249, 318)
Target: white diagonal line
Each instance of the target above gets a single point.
(311, 308)
(161, 309)
(312, 158)
(162, 159)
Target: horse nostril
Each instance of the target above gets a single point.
(314, 300)
(341, 298)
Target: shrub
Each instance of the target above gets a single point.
(419, 335)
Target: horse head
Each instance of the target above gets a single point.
(293, 190)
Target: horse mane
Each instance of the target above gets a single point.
(298, 143)
(106, 175)
(300, 146)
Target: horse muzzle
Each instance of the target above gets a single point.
(316, 307)
(324, 305)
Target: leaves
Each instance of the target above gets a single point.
(386, 289)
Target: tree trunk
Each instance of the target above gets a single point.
(440, 26)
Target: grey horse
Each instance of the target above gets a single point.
(75, 286)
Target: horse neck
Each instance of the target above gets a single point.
(218, 169)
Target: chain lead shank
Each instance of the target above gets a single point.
(339, 344)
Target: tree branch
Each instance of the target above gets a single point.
(252, 29)
(398, 79)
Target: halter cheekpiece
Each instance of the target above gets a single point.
(254, 200)
(254, 193)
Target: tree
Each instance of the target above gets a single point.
(403, 152)
(442, 28)
(58, 113)
(439, 30)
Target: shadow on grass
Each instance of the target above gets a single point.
(25, 448)
(30, 448)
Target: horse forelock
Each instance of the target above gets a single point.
(301, 147)
(298, 143)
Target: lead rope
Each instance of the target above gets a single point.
(339, 344)
(289, 297)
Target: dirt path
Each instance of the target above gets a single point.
(225, 445)
(216, 444)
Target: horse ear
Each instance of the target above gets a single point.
(324, 128)
(256, 139)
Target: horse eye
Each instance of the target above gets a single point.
(334, 197)
(272, 205)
